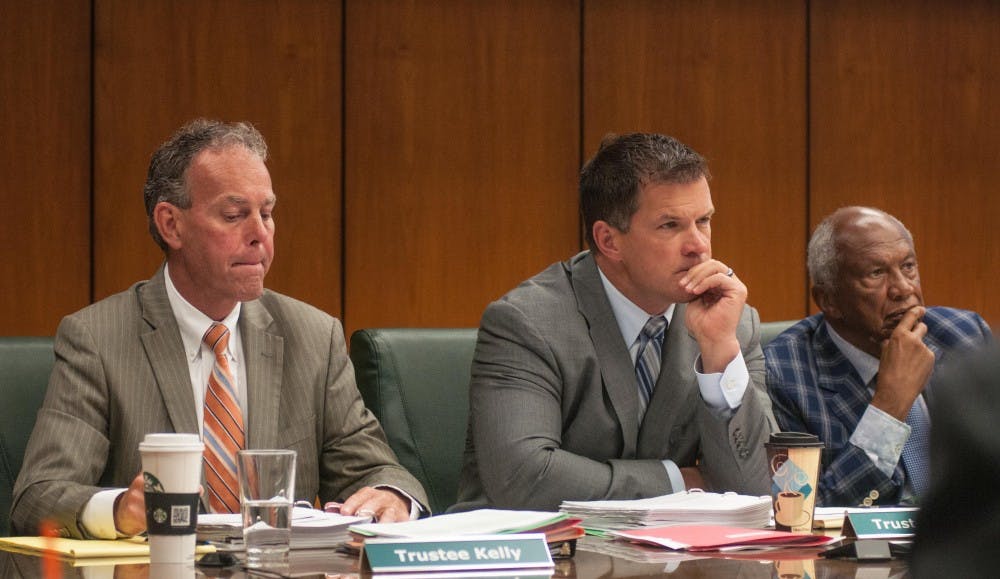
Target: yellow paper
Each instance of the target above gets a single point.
(85, 549)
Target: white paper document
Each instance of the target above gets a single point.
(686, 507)
(311, 528)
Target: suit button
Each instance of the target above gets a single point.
(744, 453)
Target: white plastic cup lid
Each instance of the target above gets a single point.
(171, 442)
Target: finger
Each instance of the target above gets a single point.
(358, 501)
(391, 514)
(911, 318)
(702, 270)
(714, 279)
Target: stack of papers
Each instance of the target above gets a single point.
(697, 538)
(311, 529)
(674, 509)
(555, 526)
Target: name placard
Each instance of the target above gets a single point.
(893, 523)
(456, 553)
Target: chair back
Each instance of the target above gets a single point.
(770, 330)
(416, 382)
(25, 365)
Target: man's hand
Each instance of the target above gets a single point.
(384, 504)
(905, 366)
(130, 508)
(714, 312)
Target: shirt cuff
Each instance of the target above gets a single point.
(416, 510)
(724, 391)
(675, 476)
(98, 516)
(881, 437)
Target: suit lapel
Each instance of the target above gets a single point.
(165, 351)
(838, 376)
(617, 371)
(264, 353)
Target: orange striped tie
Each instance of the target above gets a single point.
(223, 428)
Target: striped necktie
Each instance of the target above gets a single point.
(647, 362)
(224, 433)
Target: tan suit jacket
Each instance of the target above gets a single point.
(121, 373)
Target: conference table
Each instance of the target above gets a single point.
(589, 561)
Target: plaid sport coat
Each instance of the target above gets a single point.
(814, 388)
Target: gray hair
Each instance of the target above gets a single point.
(822, 256)
(166, 179)
(610, 181)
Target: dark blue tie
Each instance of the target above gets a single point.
(916, 449)
(647, 362)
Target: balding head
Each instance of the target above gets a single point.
(835, 234)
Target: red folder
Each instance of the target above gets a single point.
(716, 537)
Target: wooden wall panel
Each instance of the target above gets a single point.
(906, 117)
(44, 163)
(728, 78)
(462, 124)
(161, 63)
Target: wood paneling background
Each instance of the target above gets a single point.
(159, 64)
(45, 153)
(905, 116)
(728, 78)
(425, 152)
(462, 120)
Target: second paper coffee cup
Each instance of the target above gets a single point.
(793, 459)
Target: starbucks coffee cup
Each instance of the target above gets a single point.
(171, 469)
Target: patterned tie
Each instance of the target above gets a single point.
(647, 363)
(223, 428)
(916, 449)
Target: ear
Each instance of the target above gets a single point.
(607, 239)
(168, 222)
(824, 299)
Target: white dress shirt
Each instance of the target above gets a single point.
(721, 391)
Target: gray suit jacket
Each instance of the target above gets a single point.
(121, 373)
(553, 404)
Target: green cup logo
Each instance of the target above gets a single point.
(151, 483)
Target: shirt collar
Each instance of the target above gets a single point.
(193, 324)
(630, 317)
(863, 362)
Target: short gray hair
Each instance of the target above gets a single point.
(822, 255)
(166, 179)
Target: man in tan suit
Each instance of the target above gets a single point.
(135, 363)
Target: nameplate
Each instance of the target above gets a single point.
(467, 553)
(892, 523)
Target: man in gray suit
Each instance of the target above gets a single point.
(135, 362)
(567, 399)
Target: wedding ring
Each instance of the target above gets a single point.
(730, 273)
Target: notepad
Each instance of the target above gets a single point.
(85, 549)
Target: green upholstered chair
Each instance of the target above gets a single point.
(770, 330)
(25, 365)
(416, 382)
